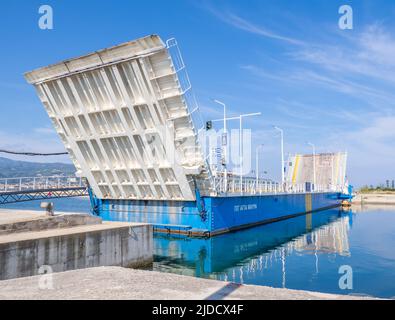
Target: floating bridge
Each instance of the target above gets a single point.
(129, 120)
(329, 170)
(131, 124)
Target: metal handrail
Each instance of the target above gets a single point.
(39, 182)
(192, 106)
(264, 186)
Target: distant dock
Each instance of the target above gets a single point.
(375, 198)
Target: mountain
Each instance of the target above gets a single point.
(13, 168)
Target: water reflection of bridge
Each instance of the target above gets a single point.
(330, 238)
(231, 257)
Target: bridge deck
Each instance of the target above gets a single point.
(128, 119)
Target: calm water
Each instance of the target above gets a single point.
(300, 253)
(80, 204)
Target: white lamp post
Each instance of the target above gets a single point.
(241, 144)
(224, 147)
(257, 165)
(313, 146)
(282, 154)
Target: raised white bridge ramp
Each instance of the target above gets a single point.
(330, 170)
(126, 117)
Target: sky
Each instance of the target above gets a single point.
(287, 59)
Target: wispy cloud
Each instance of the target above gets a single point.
(361, 67)
(371, 151)
(245, 25)
(378, 45)
(381, 130)
(370, 53)
(45, 130)
(240, 23)
(306, 78)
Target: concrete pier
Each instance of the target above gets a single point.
(31, 242)
(121, 283)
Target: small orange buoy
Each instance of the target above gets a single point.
(346, 204)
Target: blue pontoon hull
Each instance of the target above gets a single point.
(210, 216)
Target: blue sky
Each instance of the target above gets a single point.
(286, 59)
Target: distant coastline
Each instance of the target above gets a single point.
(14, 169)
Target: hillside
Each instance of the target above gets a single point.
(13, 168)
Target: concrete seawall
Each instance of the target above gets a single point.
(79, 245)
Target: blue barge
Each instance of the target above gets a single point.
(216, 215)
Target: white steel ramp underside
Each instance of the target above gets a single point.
(330, 169)
(125, 117)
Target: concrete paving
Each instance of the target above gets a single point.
(18, 222)
(105, 283)
(12, 215)
(20, 215)
(35, 235)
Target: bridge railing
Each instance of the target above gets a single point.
(250, 185)
(39, 183)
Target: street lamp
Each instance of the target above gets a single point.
(282, 154)
(240, 118)
(224, 106)
(224, 147)
(241, 144)
(257, 165)
(313, 146)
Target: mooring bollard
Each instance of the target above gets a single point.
(48, 206)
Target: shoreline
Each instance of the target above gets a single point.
(375, 198)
